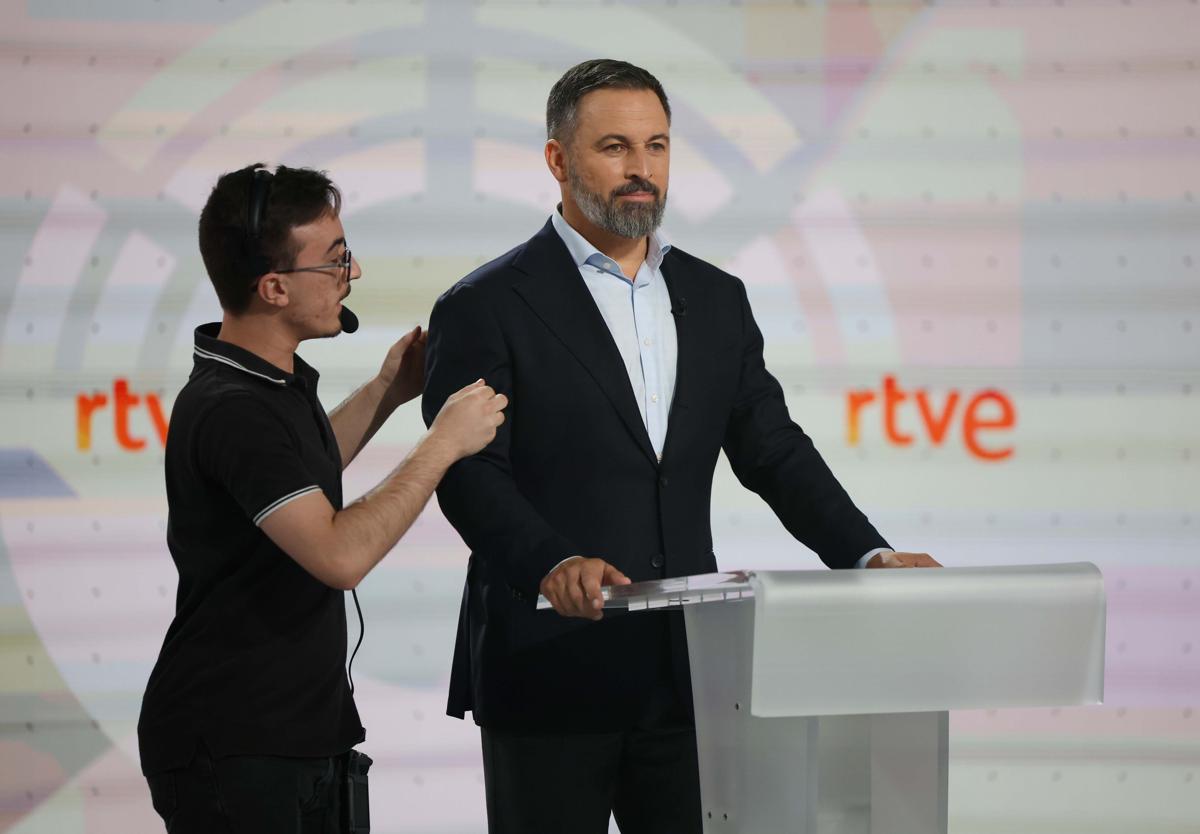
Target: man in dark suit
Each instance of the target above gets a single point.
(629, 365)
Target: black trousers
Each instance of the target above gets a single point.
(568, 784)
(251, 794)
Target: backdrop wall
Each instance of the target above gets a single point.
(968, 230)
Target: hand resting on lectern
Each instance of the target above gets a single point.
(903, 560)
(573, 587)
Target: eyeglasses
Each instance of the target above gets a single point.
(343, 264)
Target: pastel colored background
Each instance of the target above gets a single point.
(962, 195)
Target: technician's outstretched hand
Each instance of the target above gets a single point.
(573, 587)
(402, 374)
(401, 377)
(903, 560)
(469, 419)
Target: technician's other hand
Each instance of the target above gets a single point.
(903, 560)
(469, 419)
(402, 374)
(573, 587)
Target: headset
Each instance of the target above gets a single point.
(256, 208)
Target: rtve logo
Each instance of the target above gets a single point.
(982, 418)
(124, 401)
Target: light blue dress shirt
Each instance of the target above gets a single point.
(638, 315)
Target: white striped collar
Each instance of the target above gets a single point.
(209, 348)
(201, 353)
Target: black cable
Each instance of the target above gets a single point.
(362, 630)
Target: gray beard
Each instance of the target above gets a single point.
(633, 220)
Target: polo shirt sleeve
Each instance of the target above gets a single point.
(248, 451)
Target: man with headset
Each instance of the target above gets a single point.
(248, 719)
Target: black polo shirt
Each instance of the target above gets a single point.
(254, 662)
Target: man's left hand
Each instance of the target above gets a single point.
(903, 560)
(402, 375)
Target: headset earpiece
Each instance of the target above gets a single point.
(260, 190)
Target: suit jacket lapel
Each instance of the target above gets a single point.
(688, 340)
(556, 293)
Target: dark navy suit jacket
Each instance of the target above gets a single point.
(572, 471)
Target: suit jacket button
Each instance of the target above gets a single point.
(656, 561)
(662, 481)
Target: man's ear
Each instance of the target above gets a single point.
(556, 160)
(273, 289)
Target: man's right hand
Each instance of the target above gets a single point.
(469, 419)
(573, 588)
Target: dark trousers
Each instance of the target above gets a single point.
(251, 794)
(568, 784)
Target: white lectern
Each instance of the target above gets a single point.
(821, 696)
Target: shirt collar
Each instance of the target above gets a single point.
(211, 349)
(583, 252)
